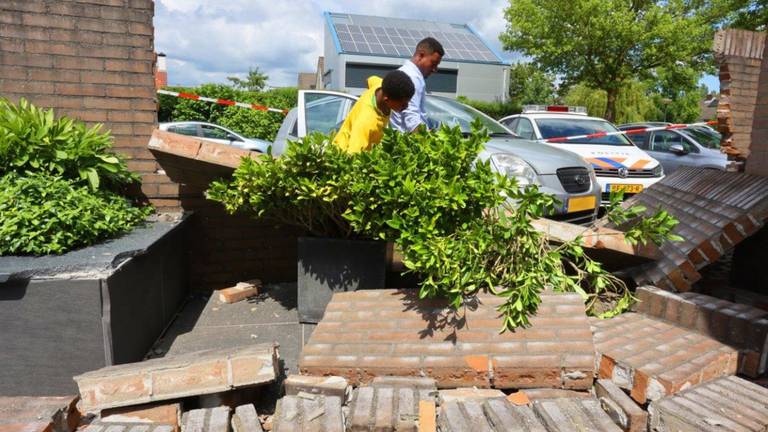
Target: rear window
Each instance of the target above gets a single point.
(706, 137)
(555, 128)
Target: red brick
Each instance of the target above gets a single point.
(101, 25)
(140, 28)
(45, 20)
(80, 63)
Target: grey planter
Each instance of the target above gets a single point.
(328, 265)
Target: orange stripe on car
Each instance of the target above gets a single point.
(599, 163)
(640, 164)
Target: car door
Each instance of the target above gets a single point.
(215, 134)
(660, 148)
(322, 111)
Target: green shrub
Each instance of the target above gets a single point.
(46, 214)
(461, 227)
(33, 140)
(248, 122)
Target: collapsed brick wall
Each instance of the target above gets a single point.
(739, 54)
(758, 161)
(92, 60)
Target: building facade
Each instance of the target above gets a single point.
(358, 46)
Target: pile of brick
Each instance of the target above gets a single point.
(717, 210)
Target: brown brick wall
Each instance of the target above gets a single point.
(92, 60)
(758, 161)
(739, 53)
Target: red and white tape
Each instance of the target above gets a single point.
(222, 101)
(629, 131)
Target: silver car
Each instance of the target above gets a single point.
(697, 146)
(216, 133)
(557, 172)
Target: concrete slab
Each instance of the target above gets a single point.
(566, 415)
(488, 415)
(315, 413)
(383, 408)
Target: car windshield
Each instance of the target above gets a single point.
(453, 113)
(704, 136)
(564, 127)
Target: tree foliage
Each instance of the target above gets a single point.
(255, 81)
(604, 44)
(529, 85)
(748, 15)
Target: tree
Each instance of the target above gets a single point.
(632, 101)
(605, 44)
(530, 85)
(749, 15)
(254, 81)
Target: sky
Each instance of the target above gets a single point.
(209, 40)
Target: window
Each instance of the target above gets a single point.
(664, 140)
(639, 139)
(214, 132)
(511, 123)
(565, 127)
(444, 80)
(323, 112)
(525, 129)
(186, 129)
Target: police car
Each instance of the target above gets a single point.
(619, 165)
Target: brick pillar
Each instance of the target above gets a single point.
(739, 53)
(92, 60)
(758, 160)
(161, 71)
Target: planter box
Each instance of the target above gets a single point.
(93, 307)
(327, 265)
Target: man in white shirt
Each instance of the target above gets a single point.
(427, 56)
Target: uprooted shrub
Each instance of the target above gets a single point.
(58, 183)
(461, 226)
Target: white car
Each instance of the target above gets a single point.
(619, 165)
(216, 133)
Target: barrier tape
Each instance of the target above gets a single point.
(630, 131)
(222, 101)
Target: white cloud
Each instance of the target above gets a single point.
(208, 40)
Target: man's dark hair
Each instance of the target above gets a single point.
(397, 85)
(430, 45)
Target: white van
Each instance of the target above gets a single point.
(619, 165)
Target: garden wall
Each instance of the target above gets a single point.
(92, 60)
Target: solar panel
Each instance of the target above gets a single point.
(398, 37)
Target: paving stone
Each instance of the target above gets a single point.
(373, 333)
(159, 413)
(620, 407)
(245, 419)
(131, 427)
(206, 420)
(172, 377)
(725, 404)
(24, 413)
(314, 413)
(383, 408)
(737, 325)
(324, 385)
(567, 415)
(488, 415)
(652, 358)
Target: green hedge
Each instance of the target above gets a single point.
(496, 110)
(248, 122)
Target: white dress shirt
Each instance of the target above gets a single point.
(414, 115)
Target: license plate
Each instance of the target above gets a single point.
(577, 204)
(626, 188)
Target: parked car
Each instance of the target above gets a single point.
(216, 133)
(619, 165)
(557, 172)
(697, 146)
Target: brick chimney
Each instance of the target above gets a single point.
(161, 71)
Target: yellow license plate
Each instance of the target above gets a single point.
(626, 188)
(577, 204)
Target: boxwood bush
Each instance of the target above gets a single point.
(59, 183)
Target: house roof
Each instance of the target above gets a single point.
(397, 37)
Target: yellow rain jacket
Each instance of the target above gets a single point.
(364, 126)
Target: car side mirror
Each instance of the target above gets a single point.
(678, 149)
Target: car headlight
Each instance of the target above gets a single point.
(512, 166)
(658, 171)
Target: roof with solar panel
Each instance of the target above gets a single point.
(397, 37)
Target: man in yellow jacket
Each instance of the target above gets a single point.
(364, 126)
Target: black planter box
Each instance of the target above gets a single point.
(329, 265)
(98, 306)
